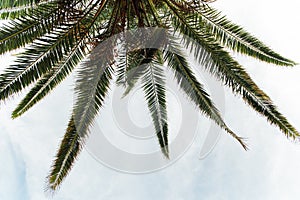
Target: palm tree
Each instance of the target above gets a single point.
(56, 36)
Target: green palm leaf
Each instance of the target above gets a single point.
(137, 63)
(18, 9)
(193, 89)
(6, 4)
(50, 80)
(229, 34)
(153, 84)
(91, 92)
(26, 29)
(236, 38)
(136, 55)
(219, 63)
(57, 73)
(69, 149)
(15, 12)
(45, 53)
(36, 61)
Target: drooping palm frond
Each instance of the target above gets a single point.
(219, 63)
(141, 46)
(91, 88)
(229, 34)
(51, 79)
(118, 38)
(153, 84)
(135, 67)
(135, 55)
(194, 89)
(145, 63)
(69, 149)
(237, 39)
(45, 53)
(60, 71)
(35, 62)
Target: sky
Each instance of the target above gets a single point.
(269, 170)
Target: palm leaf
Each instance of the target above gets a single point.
(9, 14)
(237, 39)
(219, 63)
(137, 63)
(153, 84)
(52, 78)
(141, 48)
(91, 88)
(66, 155)
(26, 29)
(232, 36)
(58, 73)
(36, 61)
(45, 53)
(7, 4)
(193, 89)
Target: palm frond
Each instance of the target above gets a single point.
(91, 88)
(193, 88)
(10, 14)
(51, 79)
(17, 9)
(66, 155)
(58, 72)
(137, 62)
(7, 4)
(141, 48)
(219, 63)
(237, 39)
(45, 53)
(26, 29)
(36, 61)
(153, 83)
(232, 35)
(122, 61)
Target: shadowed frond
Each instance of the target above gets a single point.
(193, 89)
(153, 83)
(68, 151)
(137, 63)
(91, 88)
(219, 63)
(140, 49)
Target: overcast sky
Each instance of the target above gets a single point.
(270, 170)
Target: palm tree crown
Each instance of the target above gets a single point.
(57, 35)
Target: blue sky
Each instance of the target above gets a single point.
(270, 170)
